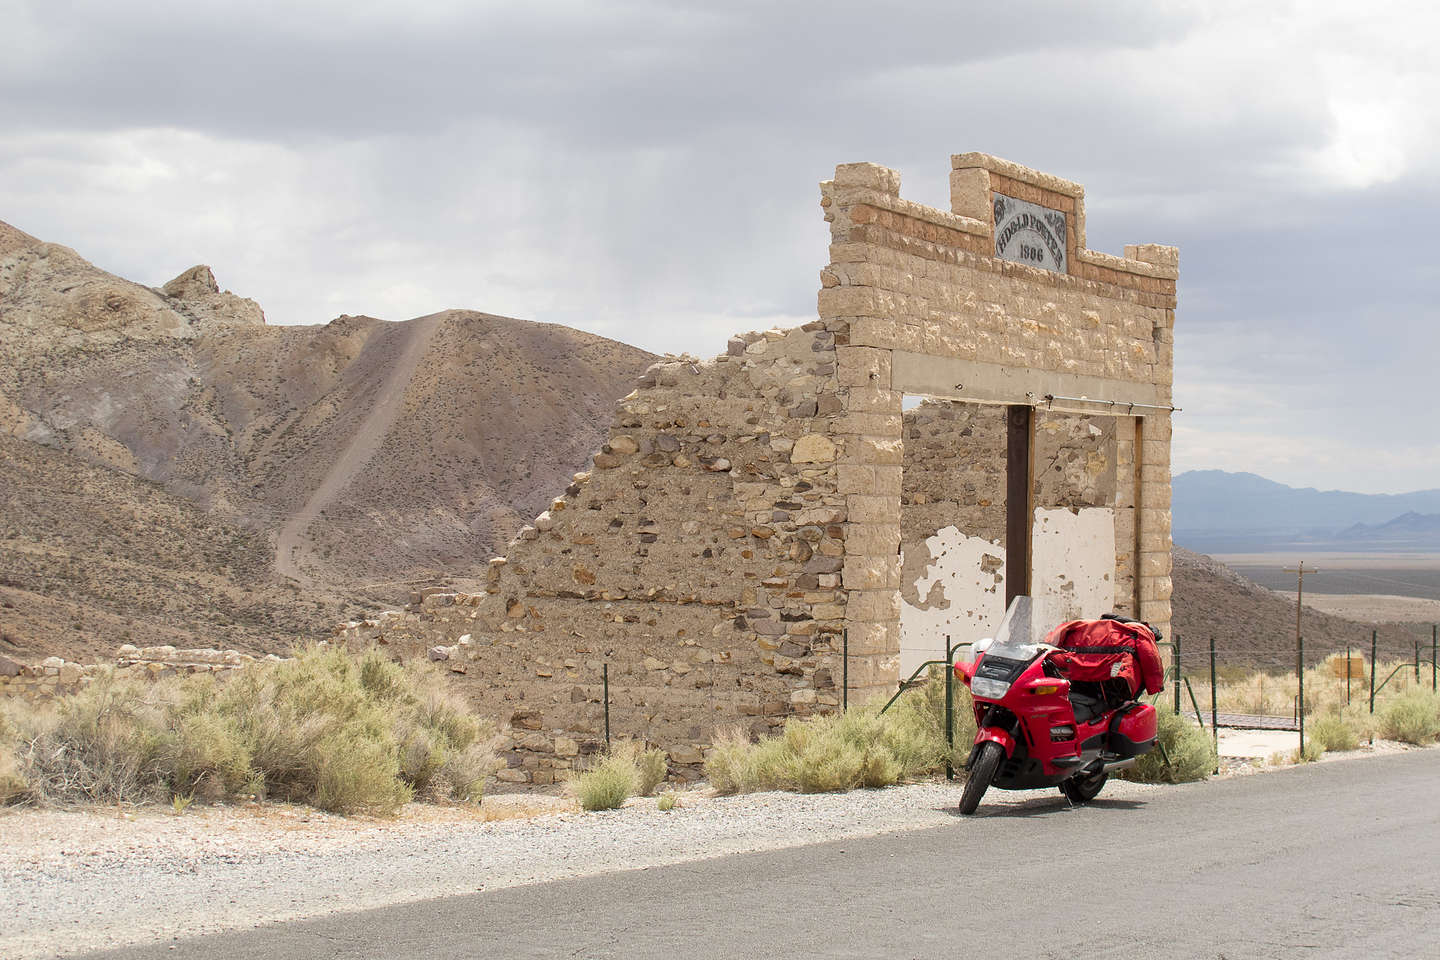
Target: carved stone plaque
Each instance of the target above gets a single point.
(1028, 233)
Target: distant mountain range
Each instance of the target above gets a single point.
(1217, 512)
(1406, 528)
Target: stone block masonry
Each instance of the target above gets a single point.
(743, 526)
(56, 677)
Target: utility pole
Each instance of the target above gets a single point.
(1300, 648)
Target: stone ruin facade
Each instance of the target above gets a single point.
(980, 409)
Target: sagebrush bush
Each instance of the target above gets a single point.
(111, 742)
(342, 732)
(844, 751)
(1412, 717)
(12, 784)
(652, 768)
(609, 783)
(1331, 731)
(1190, 750)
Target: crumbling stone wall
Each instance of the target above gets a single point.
(742, 528)
(700, 561)
(56, 677)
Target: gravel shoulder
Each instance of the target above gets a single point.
(74, 881)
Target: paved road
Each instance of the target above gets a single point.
(1330, 860)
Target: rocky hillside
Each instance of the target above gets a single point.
(1255, 627)
(91, 557)
(342, 460)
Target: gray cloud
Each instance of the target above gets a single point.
(648, 171)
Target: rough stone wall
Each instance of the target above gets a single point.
(954, 472)
(1074, 461)
(55, 677)
(701, 559)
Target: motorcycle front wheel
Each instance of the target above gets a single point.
(982, 771)
(1082, 790)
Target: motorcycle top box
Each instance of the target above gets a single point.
(1056, 706)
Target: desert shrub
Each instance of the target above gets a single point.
(915, 725)
(12, 785)
(345, 733)
(108, 743)
(1412, 717)
(652, 768)
(668, 801)
(844, 751)
(1360, 719)
(1331, 731)
(1189, 747)
(608, 784)
(727, 763)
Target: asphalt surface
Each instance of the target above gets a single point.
(1326, 860)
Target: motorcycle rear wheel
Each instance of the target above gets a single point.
(1078, 790)
(982, 771)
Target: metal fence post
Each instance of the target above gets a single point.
(1347, 674)
(1176, 638)
(1300, 705)
(1214, 707)
(949, 709)
(1417, 661)
(1434, 670)
(605, 681)
(1372, 670)
(845, 670)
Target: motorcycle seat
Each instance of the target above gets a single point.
(1087, 708)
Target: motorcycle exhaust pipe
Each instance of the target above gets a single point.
(1106, 766)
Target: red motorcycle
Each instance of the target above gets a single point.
(1059, 708)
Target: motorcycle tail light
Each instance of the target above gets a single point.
(1063, 732)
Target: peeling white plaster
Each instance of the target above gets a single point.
(1074, 561)
(958, 597)
(1073, 568)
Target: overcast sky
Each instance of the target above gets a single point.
(648, 171)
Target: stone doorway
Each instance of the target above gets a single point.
(958, 564)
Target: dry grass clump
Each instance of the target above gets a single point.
(1332, 731)
(608, 784)
(1412, 717)
(344, 733)
(1265, 694)
(652, 768)
(1188, 746)
(832, 752)
(12, 784)
(629, 769)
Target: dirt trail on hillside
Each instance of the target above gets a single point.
(290, 543)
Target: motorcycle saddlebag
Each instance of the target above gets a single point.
(1133, 731)
(1095, 651)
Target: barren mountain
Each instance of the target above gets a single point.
(366, 452)
(1255, 627)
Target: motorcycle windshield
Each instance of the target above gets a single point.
(1022, 632)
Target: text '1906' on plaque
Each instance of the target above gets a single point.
(1028, 233)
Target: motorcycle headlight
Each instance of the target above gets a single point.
(988, 688)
